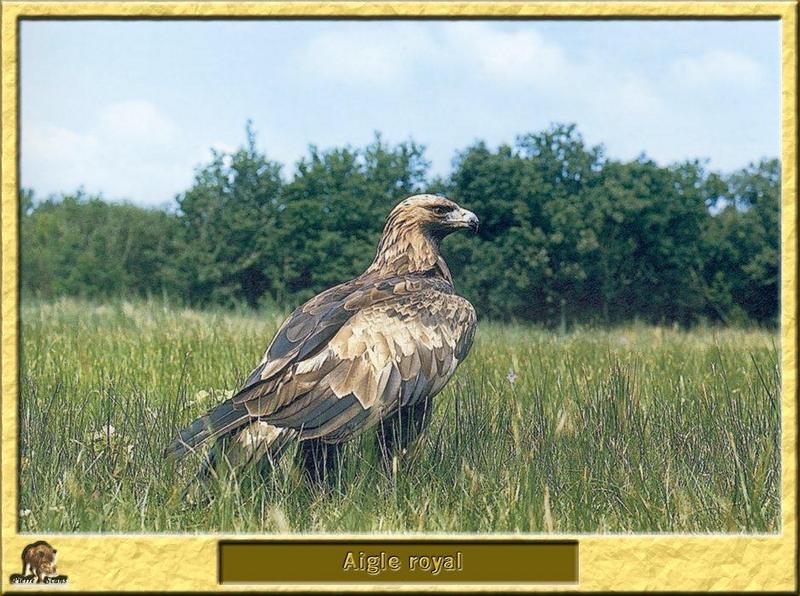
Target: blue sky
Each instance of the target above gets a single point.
(130, 108)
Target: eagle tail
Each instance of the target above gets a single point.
(220, 420)
(257, 442)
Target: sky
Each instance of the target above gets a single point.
(130, 109)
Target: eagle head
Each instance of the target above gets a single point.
(435, 215)
(413, 231)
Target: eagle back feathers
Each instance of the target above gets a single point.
(395, 341)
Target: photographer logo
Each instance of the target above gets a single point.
(38, 565)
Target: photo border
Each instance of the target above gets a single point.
(147, 562)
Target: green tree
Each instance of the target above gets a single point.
(334, 212)
(81, 245)
(228, 223)
(567, 231)
(536, 242)
(743, 264)
(652, 223)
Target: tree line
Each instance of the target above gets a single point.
(566, 232)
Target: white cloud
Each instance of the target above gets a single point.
(522, 62)
(621, 94)
(715, 68)
(56, 145)
(393, 55)
(132, 150)
(137, 121)
(635, 95)
(510, 57)
(362, 54)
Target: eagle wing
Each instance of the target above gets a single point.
(347, 358)
(389, 355)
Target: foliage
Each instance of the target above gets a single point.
(334, 210)
(566, 233)
(743, 264)
(575, 233)
(631, 429)
(228, 223)
(78, 245)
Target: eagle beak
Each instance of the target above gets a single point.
(470, 220)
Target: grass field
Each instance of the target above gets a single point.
(635, 429)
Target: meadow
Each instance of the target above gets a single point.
(624, 430)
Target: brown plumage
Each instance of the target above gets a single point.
(371, 350)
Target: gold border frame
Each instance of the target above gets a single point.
(631, 563)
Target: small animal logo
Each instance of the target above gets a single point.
(38, 565)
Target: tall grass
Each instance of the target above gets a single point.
(635, 429)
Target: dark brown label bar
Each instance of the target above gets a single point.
(291, 561)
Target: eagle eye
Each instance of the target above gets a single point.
(440, 209)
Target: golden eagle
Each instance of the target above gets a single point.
(370, 352)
